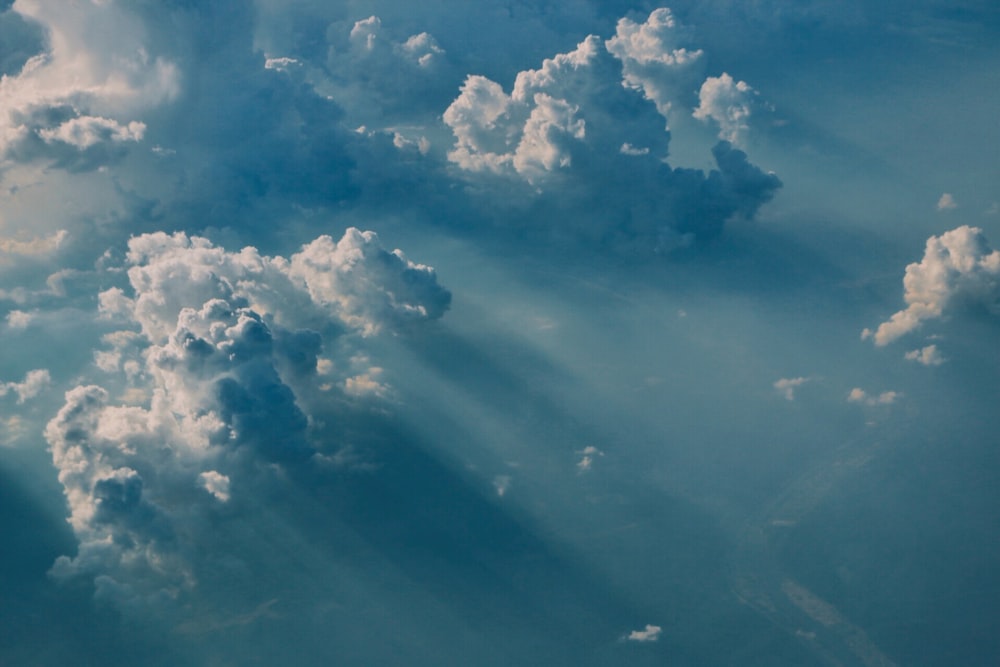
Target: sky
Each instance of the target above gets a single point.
(508, 332)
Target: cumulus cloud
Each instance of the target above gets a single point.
(586, 462)
(223, 352)
(946, 202)
(651, 55)
(959, 267)
(366, 285)
(32, 385)
(928, 356)
(527, 131)
(858, 395)
(215, 483)
(786, 386)
(650, 633)
(19, 319)
(84, 131)
(383, 79)
(582, 123)
(728, 103)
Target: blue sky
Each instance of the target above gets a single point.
(591, 333)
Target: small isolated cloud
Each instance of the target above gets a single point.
(786, 386)
(366, 384)
(32, 385)
(727, 102)
(958, 267)
(282, 64)
(629, 149)
(858, 395)
(19, 319)
(946, 202)
(501, 483)
(651, 633)
(215, 483)
(587, 461)
(928, 356)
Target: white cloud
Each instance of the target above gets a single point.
(629, 149)
(858, 395)
(87, 87)
(84, 131)
(928, 356)
(365, 285)
(215, 483)
(365, 33)
(946, 202)
(583, 124)
(550, 123)
(224, 369)
(728, 103)
(501, 484)
(786, 386)
(958, 266)
(366, 384)
(422, 48)
(650, 633)
(32, 385)
(651, 56)
(19, 319)
(587, 461)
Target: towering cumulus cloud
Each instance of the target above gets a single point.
(728, 103)
(218, 377)
(586, 132)
(958, 267)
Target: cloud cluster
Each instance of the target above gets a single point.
(592, 121)
(958, 268)
(221, 363)
(87, 88)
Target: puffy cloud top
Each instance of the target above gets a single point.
(354, 280)
(728, 103)
(650, 55)
(225, 369)
(366, 285)
(570, 127)
(958, 266)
